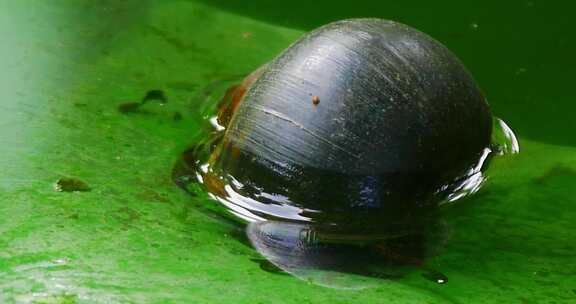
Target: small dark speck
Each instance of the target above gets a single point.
(177, 116)
(152, 196)
(574, 291)
(136, 107)
(129, 107)
(315, 100)
(154, 95)
(66, 184)
(80, 104)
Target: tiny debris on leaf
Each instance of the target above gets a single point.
(136, 107)
(157, 95)
(68, 184)
(129, 107)
(315, 100)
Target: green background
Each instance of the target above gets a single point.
(66, 65)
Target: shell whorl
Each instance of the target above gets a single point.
(393, 100)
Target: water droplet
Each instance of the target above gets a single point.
(504, 140)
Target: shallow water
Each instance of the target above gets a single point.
(65, 67)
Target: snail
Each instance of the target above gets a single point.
(359, 129)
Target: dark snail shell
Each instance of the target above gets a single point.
(361, 120)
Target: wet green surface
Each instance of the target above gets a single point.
(66, 67)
